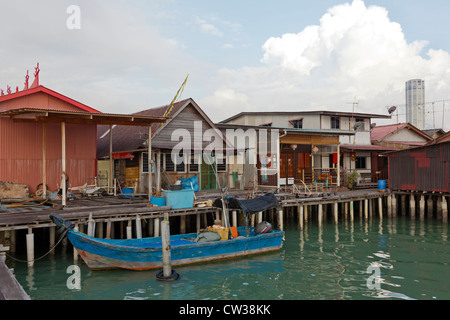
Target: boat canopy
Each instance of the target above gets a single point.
(249, 206)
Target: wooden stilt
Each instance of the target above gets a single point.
(280, 219)
(351, 211)
(157, 226)
(108, 229)
(412, 206)
(129, 230)
(75, 252)
(320, 214)
(366, 209)
(422, 207)
(380, 207)
(300, 217)
(335, 212)
(30, 248)
(234, 218)
(138, 227)
(444, 210)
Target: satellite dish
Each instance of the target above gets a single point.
(373, 125)
(392, 109)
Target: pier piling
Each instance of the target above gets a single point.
(30, 247)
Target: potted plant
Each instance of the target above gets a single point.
(352, 179)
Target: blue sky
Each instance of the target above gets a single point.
(240, 55)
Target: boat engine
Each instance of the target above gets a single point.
(263, 227)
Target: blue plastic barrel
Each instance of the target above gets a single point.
(127, 191)
(158, 201)
(382, 184)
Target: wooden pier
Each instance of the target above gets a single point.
(110, 217)
(10, 288)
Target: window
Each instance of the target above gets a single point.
(297, 124)
(193, 167)
(335, 123)
(145, 162)
(222, 167)
(169, 166)
(360, 163)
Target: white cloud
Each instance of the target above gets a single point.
(355, 52)
(208, 28)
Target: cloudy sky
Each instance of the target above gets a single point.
(246, 55)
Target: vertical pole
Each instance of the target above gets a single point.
(389, 205)
(403, 204)
(338, 166)
(280, 218)
(306, 213)
(75, 252)
(380, 207)
(129, 230)
(167, 266)
(430, 206)
(394, 205)
(366, 209)
(108, 229)
(234, 217)
(300, 216)
(30, 247)
(63, 162)
(44, 161)
(52, 237)
(444, 210)
(260, 217)
(197, 222)
(412, 205)
(138, 227)
(182, 224)
(156, 226)
(351, 211)
(158, 170)
(150, 182)
(111, 162)
(335, 212)
(422, 207)
(320, 218)
(91, 226)
(99, 228)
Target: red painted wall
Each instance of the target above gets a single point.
(21, 144)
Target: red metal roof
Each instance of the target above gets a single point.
(52, 93)
(380, 132)
(366, 147)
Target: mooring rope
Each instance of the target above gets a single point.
(26, 261)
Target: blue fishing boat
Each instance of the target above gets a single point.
(146, 253)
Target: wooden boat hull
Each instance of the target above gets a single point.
(146, 253)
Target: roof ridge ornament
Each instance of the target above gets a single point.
(36, 77)
(27, 77)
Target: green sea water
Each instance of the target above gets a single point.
(377, 259)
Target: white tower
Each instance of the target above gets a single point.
(415, 103)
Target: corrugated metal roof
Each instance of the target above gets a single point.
(42, 89)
